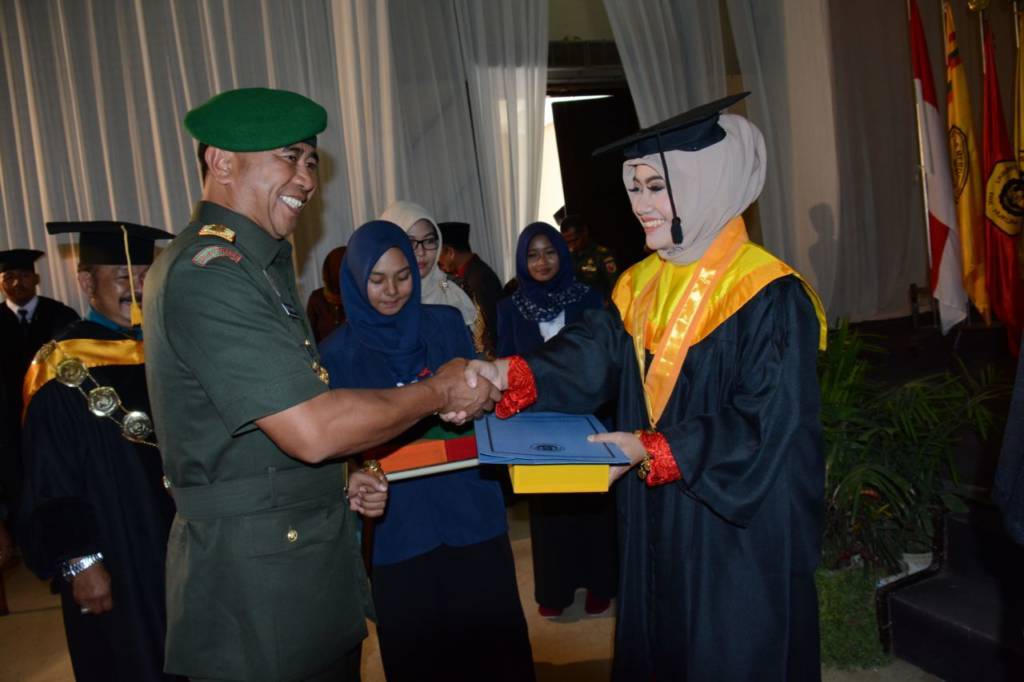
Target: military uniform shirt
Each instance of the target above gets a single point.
(264, 576)
(596, 267)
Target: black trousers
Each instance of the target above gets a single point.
(453, 614)
(575, 545)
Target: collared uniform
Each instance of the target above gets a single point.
(596, 267)
(265, 578)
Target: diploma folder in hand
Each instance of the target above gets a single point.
(548, 451)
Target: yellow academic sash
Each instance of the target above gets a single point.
(90, 352)
(667, 308)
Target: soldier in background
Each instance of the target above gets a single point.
(595, 265)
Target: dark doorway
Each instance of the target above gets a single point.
(593, 186)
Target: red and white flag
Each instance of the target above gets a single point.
(946, 270)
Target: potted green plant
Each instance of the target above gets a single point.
(889, 451)
(889, 473)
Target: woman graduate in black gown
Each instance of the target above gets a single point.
(573, 536)
(711, 351)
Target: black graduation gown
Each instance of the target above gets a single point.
(19, 347)
(87, 490)
(716, 570)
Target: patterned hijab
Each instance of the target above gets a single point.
(436, 287)
(542, 301)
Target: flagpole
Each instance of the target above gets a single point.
(922, 169)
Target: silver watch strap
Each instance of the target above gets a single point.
(72, 567)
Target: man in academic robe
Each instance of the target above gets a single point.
(94, 506)
(27, 321)
(475, 277)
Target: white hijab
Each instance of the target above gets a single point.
(710, 186)
(435, 287)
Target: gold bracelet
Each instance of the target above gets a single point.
(643, 469)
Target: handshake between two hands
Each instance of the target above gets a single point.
(470, 388)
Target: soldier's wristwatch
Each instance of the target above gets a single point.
(72, 567)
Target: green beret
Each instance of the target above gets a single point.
(256, 119)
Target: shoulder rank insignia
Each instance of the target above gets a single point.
(209, 253)
(215, 230)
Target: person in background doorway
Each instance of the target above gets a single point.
(475, 276)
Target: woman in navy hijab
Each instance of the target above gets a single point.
(573, 535)
(444, 582)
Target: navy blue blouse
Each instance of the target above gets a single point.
(455, 509)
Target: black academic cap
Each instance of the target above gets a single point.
(101, 242)
(559, 216)
(455, 234)
(19, 259)
(690, 131)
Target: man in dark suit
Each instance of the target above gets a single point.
(474, 276)
(27, 321)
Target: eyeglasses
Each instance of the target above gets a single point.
(428, 244)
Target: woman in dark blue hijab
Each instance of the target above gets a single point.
(444, 582)
(573, 535)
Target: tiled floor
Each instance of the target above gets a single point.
(572, 648)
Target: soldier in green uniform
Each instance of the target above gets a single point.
(264, 576)
(595, 265)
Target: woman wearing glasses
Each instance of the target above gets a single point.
(435, 288)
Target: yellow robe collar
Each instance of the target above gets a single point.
(667, 308)
(90, 352)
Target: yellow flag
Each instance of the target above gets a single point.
(965, 164)
(1018, 98)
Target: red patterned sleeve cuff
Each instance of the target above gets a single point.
(664, 468)
(522, 389)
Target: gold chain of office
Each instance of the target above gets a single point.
(102, 401)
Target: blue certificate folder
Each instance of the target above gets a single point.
(544, 438)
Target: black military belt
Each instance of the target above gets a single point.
(276, 488)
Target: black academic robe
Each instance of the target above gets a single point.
(19, 347)
(717, 569)
(87, 489)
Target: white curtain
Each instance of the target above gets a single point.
(435, 119)
(94, 94)
(671, 52)
(369, 115)
(504, 46)
(792, 102)
(438, 102)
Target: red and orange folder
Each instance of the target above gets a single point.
(425, 456)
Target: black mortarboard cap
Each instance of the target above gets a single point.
(690, 131)
(455, 234)
(101, 242)
(559, 216)
(19, 259)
